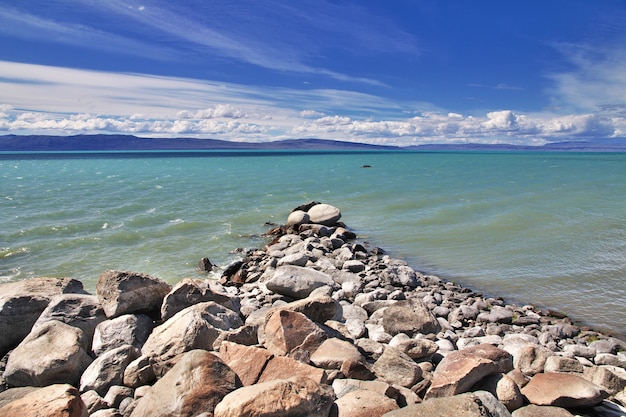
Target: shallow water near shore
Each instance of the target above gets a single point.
(541, 228)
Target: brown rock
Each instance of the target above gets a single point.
(281, 367)
(61, 400)
(532, 410)
(395, 367)
(363, 403)
(471, 404)
(292, 333)
(317, 308)
(563, 390)
(108, 369)
(54, 353)
(123, 292)
(530, 359)
(128, 329)
(461, 369)
(418, 348)
(22, 302)
(248, 362)
(295, 397)
(193, 386)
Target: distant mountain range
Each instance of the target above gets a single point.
(44, 143)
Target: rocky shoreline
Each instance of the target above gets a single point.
(313, 324)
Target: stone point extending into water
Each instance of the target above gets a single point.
(314, 324)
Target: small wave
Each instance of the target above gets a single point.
(105, 225)
(9, 252)
(9, 275)
(177, 221)
(152, 210)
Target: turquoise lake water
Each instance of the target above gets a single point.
(542, 228)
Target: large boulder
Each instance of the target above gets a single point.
(280, 367)
(22, 302)
(324, 214)
(248, 362)
(194, 386)
(108, 369)
(317, 308)
(128, 329)
(471, 404)
(292, 333)
(78, 310)
(563, 390)
(297, 282)
(123, 292)
(196, 327)
(410, 317)
(333, 353)
(396, 367)
(294, 397)
(461, 369)
(53, 353)
(191, 291)
(60, 400)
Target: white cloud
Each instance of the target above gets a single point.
(52, 100)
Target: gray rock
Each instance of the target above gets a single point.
(400, 276)
(128, 329)
(297, 282)
(77, 310)
(324, 214)
(562, 364)
(123, 292)
(496, 315)
(108, 369)
(611, 378)
(504, 389)
(139, 372)
(297, 217)
(396, 367)
(532, 410)
(196, 327)
(474, 404)
(191, 291)
(54, 353)
(22, 302)
(609, 359)
(333, 352)
(410, 317)
(116, 394)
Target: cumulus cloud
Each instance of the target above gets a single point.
(220, 111)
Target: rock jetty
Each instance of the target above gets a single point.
(316, 323)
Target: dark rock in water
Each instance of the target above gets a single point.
(366, 166)
(205, 265)
(231, 269)
(306, 206)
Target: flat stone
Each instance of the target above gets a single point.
(472, 404)
(563, 390)
(195, 385)
(59, 400)
(364, 403)
(288, 398)
(281, 367)
(532, 410)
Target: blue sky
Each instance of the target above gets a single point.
(398, 72)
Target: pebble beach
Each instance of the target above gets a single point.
(316, 323)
